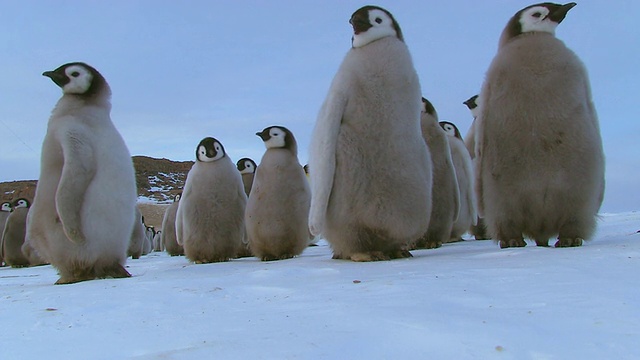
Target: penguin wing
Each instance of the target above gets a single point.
(322, 160)
(77, 173)
(456, 188)
(179, 224)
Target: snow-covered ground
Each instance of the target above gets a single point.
(468, 300)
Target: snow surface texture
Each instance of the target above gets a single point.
(463, 301)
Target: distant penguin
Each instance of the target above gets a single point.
(169, 229)
(84, 208)
(147, 245)
(278, 208)
(445, 193)
(210, 216)
(540, 162)
(468, 214)
(247, 168)
(138, 237)
(157, 241)
(5, 210)
(369, 166)
(14, 234)
(479, 230)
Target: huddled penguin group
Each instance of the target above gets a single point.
(385, 174)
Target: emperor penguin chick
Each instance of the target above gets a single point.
(5, 210)
(540, 162)
(468, 215)
(169, 229)
(138, 237)
(83, 211)
(14, 234)
(445, 193)
(278, 207)
(369, 165)
(247, 168)
(210, 216)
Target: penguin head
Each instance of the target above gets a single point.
(472, 104)
(246, 166)
(177, 197)
(78, 79)
(209, 149)
(6, 206)
(543, 17)
(451, 129)
(427, 108)
(306, 169)
(371, 23)
(278, 137)
(21, 203)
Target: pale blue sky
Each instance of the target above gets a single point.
(184, 70)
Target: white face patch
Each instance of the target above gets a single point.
(381, 26)
(276, 138)
(79, 80)
(6, 207)
(177, 198)
(536, 19)
(449, 129)
(22, 204)
(248, 168)
(202, 153)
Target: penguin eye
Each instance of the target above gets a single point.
(75, 74)
(536, 15)
(378, 20)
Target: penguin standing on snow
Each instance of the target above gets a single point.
(5, 210)
(540, 162)
(210, 216)
(370, 168)
(14, 234)
(84, 208)
(468, 214)
(278, 207)
(169, 229)
(445, 193)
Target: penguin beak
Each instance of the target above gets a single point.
(264, 135)
(58, 78)
(559, 14)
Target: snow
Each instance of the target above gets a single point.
(467, 300)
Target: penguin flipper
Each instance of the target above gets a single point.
(77, 173)
(322, 160)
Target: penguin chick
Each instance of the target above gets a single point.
(14, 234)
(278, 206)
(370, 168)
(464, 174)
(169, 229)
(83, 211)
(138, 237)
(445, 193)
(247, 168)
(539, 156)
(5, 210)
(210, 215)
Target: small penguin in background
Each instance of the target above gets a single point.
(278, 207)
(149, 233)
(210, 216)
(247, 168)
(445, 192)
(157, 241)
(169, 229)
(14, 234)
(83, 212)
(370, 168)
(5, 210)
(138, 237)
(468, 214)
(539, 156)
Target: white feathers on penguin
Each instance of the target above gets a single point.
(540, 162)
(83, 211)
(210, 215)
(278, 206)
(247, 168)
(369, 166)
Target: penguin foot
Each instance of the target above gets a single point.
(512, 243)
(369, 256)
(543, 243)
(568, 242)
(429, 244)
(274, 257)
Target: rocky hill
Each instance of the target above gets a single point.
(158, 181)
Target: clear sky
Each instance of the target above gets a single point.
(184, 70)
